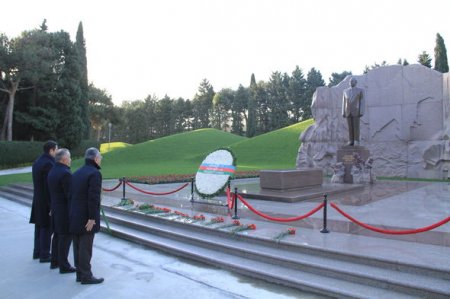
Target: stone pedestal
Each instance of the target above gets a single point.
(345, 155)
(290, 179)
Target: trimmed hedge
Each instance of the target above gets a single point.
(20, 153)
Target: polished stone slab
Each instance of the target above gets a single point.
(289, 179)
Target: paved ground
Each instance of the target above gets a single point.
(15, 170)
(130, 271)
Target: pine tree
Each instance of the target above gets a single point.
(80, 46)
(251, 122)
(424, 59)
(440, 55)
(313, 80)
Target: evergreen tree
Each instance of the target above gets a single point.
(278, 100)
(251, 122)
(297, 93)
(440, 55)
(424, 59)
(238, 107)
(202, 105)
(221, 109)
(313, 80)
(80, 45)
(69, 131)
(337, 78)
(101, 110)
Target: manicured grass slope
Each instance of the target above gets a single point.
(106, 147)
(179, 153)
(182, 153)
(274, 150)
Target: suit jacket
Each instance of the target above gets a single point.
(85, 198)
(40, 207)
(59, 180)
(353, 102)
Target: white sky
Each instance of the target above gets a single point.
(136, 48)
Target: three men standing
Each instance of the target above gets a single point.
(59, 181)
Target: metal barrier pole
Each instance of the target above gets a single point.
(192, 189)
(235, 203)
(325, 202)
(123, 188)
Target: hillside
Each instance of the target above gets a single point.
(179, 153)
(107, 147)
(276, 149)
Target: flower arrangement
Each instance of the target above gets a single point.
(234, 223)
(242, 228)
(125, 202)
(289, 231)
(215, 220)
(215, 172)
(198, 218)
(181, 178)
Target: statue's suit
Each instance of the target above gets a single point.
(352, 109)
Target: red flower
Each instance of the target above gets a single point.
(251, 226)
(199, 217)
(218, 220)
(291, 231)
(236, 222)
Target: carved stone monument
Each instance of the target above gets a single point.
(406, 124)
(346, 155)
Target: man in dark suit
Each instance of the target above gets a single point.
(40, 209)
(84, 214)
(353, 103)
(59, 181)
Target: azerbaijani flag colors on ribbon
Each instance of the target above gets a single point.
(217, 169)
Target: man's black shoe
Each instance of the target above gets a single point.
(45, 260)
(78, 279)
(69, 270)
(54, 266)
(35, 256)
(92, 280)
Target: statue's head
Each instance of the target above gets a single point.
(353, 82)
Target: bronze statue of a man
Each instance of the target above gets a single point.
(352, 109)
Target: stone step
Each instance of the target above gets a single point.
(411, 283)
(12, 195)
(257, 269)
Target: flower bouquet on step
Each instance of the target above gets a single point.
(157, 210)
(215, 220)
(198, 218)
(126, 203)
(289, 231)
(234, 223)
(242, 228)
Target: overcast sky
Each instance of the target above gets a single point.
(136, 48)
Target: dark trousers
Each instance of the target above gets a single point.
(64, 241)
(82, 252)
(42, 239)
(55, 241)
(353, 128)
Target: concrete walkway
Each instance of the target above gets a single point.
(15, 170)
(130, 271)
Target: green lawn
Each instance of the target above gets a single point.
(182, 153)
(276, 149)
(107, 147)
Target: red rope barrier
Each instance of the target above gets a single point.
(230, 201)
(280, 219)
(387, 231)
(114, 188)
(156, 193)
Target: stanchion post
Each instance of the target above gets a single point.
(325, 204)
(124, 180)
(235, 203)
(192, 189)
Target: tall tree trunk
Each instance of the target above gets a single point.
(10, 109)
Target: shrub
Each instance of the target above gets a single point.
(21, 153)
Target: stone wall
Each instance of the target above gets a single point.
(406, 125)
